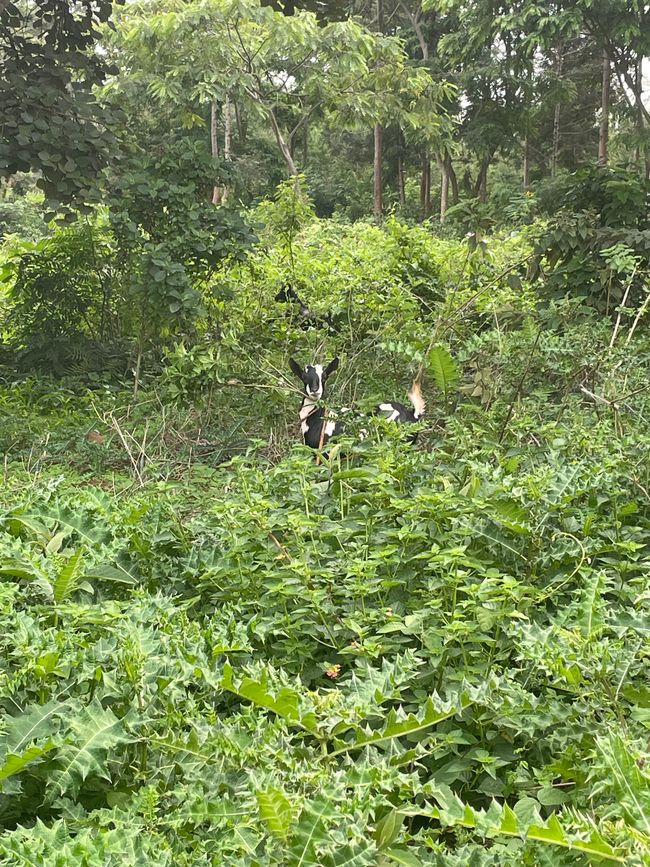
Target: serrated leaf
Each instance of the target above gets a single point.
(93, 733)
(308, 833)
(35, 722)
(631, 785)
(275, 811)
(398, 724)
(285, 702)
(500, 820)
(443, 369)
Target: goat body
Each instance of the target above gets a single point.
(317, 425)
(306, 317)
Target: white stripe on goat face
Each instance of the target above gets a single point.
(314, 389)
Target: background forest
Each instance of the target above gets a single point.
(216, 649)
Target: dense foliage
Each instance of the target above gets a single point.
(219, 651)
(217, 646)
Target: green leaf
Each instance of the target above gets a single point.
(630, 784)
(501, 820)
(68, 578)
(35, 722)
(14, 764)
(399, 724)
(93, 733)
(402, 856)
(309, 833)
(106, 572)
(443, 368)
(284, 702)
(388, 828)
(275, 811)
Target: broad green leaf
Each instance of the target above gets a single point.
(36, 722)
(309, 833)
(285, 702)
(388, 828)
(443, 369)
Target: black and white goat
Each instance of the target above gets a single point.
(305, 317)
(317, 425)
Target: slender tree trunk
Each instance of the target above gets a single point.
(241, 126)
(227, 136)
(378, 206)
(227, 141)
(559, 63)
(642, 150)
(444, 193)
(526, 165)
(425, 186)
(400, 180)
(305, 143)
(444, 185)
(453, 180)
(214, 147)
(282, 144)
(556, 139)
(603, 138)
(480, 188)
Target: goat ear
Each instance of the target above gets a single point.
(296, 368)
(332, 366)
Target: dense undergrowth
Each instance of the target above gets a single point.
(217, 651)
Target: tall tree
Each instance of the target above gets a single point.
(283, 74)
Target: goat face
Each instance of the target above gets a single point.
(313, 377)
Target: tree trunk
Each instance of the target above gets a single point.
(400, 181)
(556, 139)
(643, 152)
(425, 186)
(444, 184)
(241, 125)
(378, 205)
(453, 180)
(526, 166)
(480, 189)
(603, 138)
(227, 140)
(227, 136)
(282, 144)
(559, 63)
(214, 147)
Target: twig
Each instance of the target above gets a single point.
(519, 387)
(620, 310)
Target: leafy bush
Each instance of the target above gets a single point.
(63, 303)
(603, 208)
